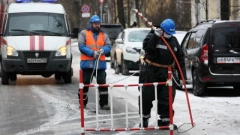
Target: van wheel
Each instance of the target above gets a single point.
(236, 87)
(125, 70)
(5, 77)
(68, 76)
(198, 86)
(58, 76)
(13, 76)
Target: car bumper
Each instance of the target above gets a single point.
(132, 65)
(20, 64)
(206, 76)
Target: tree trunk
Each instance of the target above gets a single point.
(121, 12)
(129, 13)
(137, 7)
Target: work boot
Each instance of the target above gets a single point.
(166, 123)
(145, 123)
(105, 107)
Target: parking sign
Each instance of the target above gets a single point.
(85, 8)
(101, 1)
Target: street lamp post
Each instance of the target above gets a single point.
(101, 8)
(206, 9)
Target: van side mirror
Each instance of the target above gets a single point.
(75, 32)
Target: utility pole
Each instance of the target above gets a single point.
(206, 9)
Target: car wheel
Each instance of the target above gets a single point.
(198, 86)
(111, 63)
(67, 77)
(116, 67)
(125, 70)
(13, 77)
(5, 77)
(58, 76)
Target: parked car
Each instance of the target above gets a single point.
(112, 31)
(125, 52)
(212, 55)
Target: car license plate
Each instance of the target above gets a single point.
(43, 60)
(228, 60)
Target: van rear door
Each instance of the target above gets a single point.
(224, 48)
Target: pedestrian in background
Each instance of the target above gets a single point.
(157, 59)
(134, 25)
(93, 45)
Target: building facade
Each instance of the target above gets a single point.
(214, 10)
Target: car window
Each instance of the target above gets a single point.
(185, 41)
(119, 35)
(227, 36)
(199, 35)
(137, 36)
(192, 41)
(112, 30)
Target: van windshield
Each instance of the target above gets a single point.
(47, 24)
(226, 36)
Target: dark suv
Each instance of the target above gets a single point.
(112, 31)
(212, 55)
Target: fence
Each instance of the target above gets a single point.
(83, 128)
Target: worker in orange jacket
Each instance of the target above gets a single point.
(93, 45)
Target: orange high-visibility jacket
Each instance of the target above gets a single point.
(94, 45)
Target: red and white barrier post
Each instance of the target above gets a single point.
(171, 127)
(81, 102)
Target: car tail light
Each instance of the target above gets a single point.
(204, 53)
(206, 78)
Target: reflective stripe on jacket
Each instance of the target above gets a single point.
(93, 45)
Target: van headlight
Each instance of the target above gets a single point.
(131, 50)
(61, 51)
(11, 51)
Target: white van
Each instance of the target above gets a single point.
(36, 41)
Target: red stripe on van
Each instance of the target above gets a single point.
(68, 42)
(32, 42)
(4, 42)
(41, 42)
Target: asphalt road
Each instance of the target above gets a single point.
(34, 105)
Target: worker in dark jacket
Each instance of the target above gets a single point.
(157, 59)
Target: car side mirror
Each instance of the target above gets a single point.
(185, 52)
(75, 32)
(119, 41)
(1, 34)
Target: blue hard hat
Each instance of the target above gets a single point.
(95, 19)
(168, 26)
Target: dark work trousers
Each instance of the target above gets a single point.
(101, 79)
(150, 75)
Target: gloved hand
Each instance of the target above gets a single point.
(158, 32)
(101, 51)
(96, 54)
